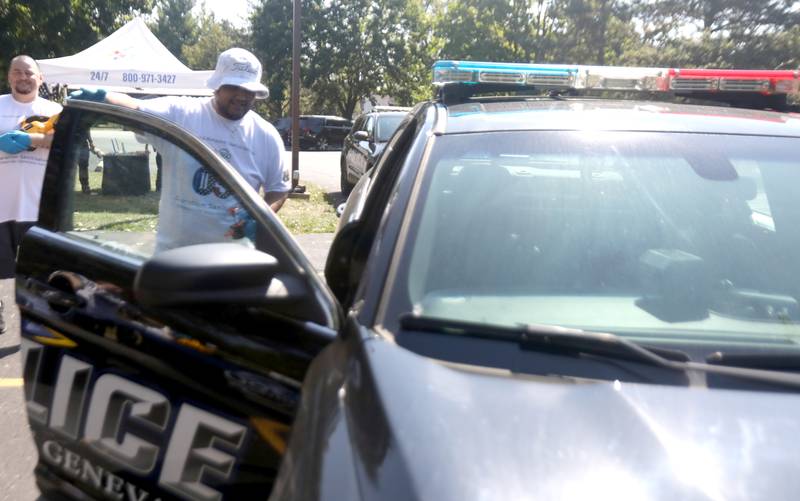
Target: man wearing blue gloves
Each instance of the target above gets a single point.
(226, 123)
(23, 158)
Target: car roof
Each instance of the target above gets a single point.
(387, 112)
(612, 115)
(330, 117)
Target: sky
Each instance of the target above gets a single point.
(234, 11)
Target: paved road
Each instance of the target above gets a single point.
(17, 452)
(18, 456)
(320, 168)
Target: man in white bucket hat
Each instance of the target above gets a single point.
(225, 123)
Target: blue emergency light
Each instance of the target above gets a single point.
(474, 72)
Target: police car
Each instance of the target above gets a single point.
(537, 293)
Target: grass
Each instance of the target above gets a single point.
(317, 214)
(114, 213)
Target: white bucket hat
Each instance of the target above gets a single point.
(241, 68)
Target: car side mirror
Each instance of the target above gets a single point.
(217, 273)
(361, 135)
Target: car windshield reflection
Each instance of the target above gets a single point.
(633, 233)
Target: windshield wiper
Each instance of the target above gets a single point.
(549, 338)
(772, 361)
(575, 341)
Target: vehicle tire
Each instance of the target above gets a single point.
(346, 185)
(322, 144)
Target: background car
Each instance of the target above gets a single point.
(365, 142)
(546, 297)
(317, 132)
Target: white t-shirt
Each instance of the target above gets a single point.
(21, 175)
(194, 207)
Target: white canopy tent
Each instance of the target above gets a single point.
(130, 60)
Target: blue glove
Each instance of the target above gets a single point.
(14, 141)
(96, 95)
(244, 225)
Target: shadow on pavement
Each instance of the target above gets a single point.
(10, 350)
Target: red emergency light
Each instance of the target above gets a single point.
(712, 80)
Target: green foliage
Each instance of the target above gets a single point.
(665, 19)
(479, 30)
(212, 37)
(718, 33)
(55, 28)
(271, 32)
(354, 50)
(351, 50)
(173, 27)
(317, 214)
(93, 211)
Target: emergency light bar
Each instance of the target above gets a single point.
(750, 88)
(761, 81)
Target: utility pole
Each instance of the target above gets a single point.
(295, 100)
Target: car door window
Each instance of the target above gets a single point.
(140, 193)
(369, 126)
(339, 124)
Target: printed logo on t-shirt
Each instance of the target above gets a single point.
(225, 153)
(205, 183)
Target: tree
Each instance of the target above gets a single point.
(664, 20)
(719, 33)
(213, 37)
(358, 49)
(410, 82)
(468, 31)
(175, 26)
(344, 69)
(55, 28)
(365, 48)
(351, 50)
(271, 32)
(564, 31)
(593, 31)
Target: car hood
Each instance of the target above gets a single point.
(437, 432)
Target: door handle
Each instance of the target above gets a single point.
(63, 301)
(62, 292)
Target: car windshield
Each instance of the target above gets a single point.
(387, 124)
(656, 236)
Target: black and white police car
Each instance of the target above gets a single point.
(551, 296)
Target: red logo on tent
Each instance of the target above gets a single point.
(121, 53)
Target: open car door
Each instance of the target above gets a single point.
(153, 372)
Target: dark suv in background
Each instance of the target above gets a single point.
(317, 132)
(365, 142)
